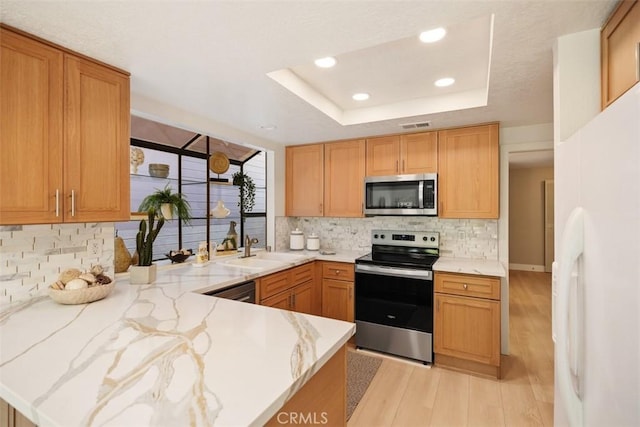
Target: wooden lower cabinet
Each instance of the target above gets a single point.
(338, 290)
(295, 299)
(467, 327)
(293, 289)
(322, 400)
(9, 417)
(337, 300)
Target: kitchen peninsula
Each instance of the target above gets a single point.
(164, 355)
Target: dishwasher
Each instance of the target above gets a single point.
(244, 292)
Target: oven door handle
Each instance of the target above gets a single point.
(396, 272)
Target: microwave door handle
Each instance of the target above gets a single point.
(421, 194)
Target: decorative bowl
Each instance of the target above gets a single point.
(179, 257)
(158, 170)
(81, 296)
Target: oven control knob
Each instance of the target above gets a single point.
(375, 236)
(425, 238)
(382, 236)
(433, 239)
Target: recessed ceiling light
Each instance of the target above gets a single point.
(360, 96)
(447, 81)
(327, 62)
(432, 35)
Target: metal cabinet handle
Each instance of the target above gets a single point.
(320, 207)
(464, 285)
(57, 202)
(337, 272)
(397, 166)
(293, 298)
(73, 202)
(403, 169)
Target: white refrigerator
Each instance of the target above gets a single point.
(596, 278)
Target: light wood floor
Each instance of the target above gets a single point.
(406, 394)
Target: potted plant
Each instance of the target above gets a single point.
(247, 191)
(145, 271)
(168, 203)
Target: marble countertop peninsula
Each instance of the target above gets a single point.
(161, 354)
(481, 267)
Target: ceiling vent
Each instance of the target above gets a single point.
(418, 125)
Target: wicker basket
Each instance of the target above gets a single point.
(81, 296)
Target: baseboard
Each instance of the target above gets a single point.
(527, 267)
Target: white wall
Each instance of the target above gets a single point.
(576, 82)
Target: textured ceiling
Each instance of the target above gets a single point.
(211, 58)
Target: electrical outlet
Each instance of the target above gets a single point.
(94, 247)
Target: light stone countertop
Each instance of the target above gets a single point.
(470, 266)
(162, 354)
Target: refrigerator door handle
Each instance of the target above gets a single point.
(572, 248)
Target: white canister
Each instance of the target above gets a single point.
(296, 240)
(313, 242)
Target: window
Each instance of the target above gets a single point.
(188, 175)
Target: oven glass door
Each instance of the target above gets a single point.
(392, 300)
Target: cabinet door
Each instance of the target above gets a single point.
(468, 165)
(304, 183)
(337, 300)
(96, 166)
(383, 156)
(302, 296)
(467, 328)
(274, 283)
(31, 132)
(344, 171)
(419, 153)
(282, 300)
(620, 51)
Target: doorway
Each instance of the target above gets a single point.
(531, 210)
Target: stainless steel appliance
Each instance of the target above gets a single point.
(394, 294)
(401, 195)
(244, 292)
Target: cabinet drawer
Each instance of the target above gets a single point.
(466, 285)
(274, 283)
(338, 271)
(301, 273)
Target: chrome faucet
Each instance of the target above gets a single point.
(247, 246)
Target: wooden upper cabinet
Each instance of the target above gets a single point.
(402, 154)
(383, 156)
(31, 130)
(64, 136)
(97, 130)
(344, 172)
(419, 153)
(304, 182)
(620, 51)
(468, 171)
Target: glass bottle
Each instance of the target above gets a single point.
(232, 236)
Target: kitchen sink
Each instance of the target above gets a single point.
(254, 263)
(280, 256)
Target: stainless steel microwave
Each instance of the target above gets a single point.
(401, 195)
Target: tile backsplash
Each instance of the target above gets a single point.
(32, 256)
(462, 238)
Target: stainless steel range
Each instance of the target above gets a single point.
(394, 294)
